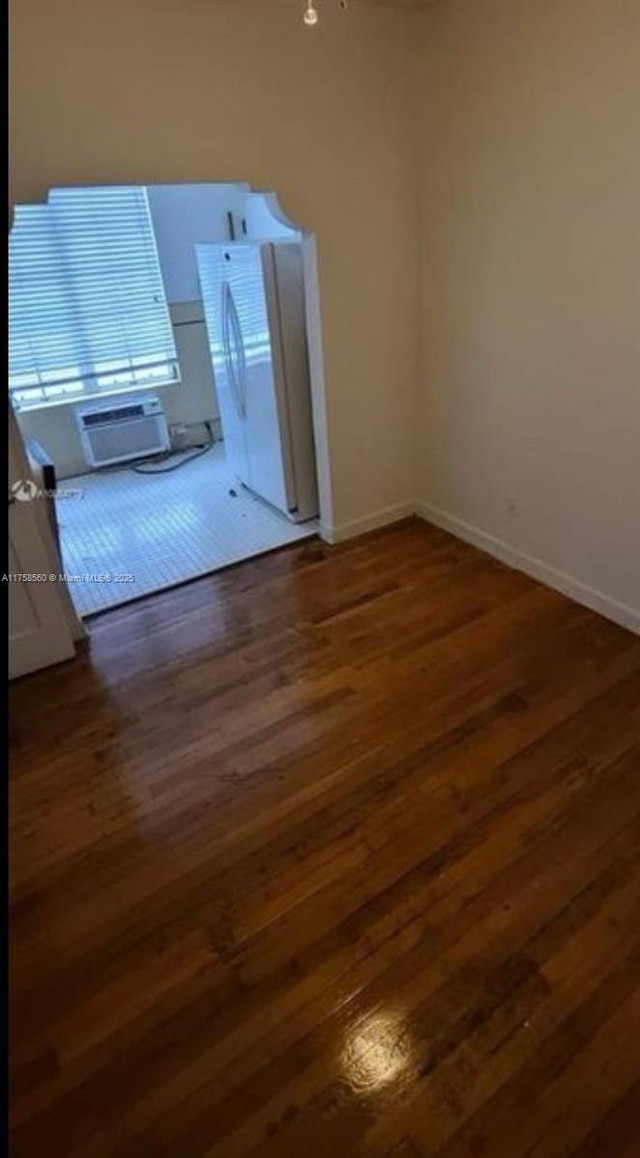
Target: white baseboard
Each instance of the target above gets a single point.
(370, 522)
(619, 612)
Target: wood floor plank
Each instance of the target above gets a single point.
(334, 852)
(618, 1131)
(559, 1109)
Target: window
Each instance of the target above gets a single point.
(87, 308)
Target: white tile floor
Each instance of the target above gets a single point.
(162, 530)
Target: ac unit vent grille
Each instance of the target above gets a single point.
(121, 414)
(123, 433)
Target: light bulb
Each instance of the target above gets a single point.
(310, 15)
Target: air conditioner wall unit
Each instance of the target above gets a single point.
(122, 431)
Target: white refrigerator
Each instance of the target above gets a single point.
(254, 308)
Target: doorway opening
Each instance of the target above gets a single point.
(161, 378)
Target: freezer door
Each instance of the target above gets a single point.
(227, 356)
(233, 350)
(267, 452)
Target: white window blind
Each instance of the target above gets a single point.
(87, 307)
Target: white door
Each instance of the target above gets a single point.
(39, 630)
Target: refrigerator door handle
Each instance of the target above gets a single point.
(231, 329)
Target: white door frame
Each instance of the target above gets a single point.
(42, 623)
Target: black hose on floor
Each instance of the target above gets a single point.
(198, 453)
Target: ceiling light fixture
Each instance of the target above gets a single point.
(311, 14)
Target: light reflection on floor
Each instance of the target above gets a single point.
(377, 1052)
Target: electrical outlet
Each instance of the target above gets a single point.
(178, 435)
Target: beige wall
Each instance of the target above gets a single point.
(208, 90)
(530, 215)
(519, 141)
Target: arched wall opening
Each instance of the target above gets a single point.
(242, 90)
(184, 215)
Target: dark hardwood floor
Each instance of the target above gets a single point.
(333, 855)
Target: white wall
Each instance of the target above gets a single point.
(242, 91)
(530, 365)
(188, 403)
(262, 220)
(184, 215)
